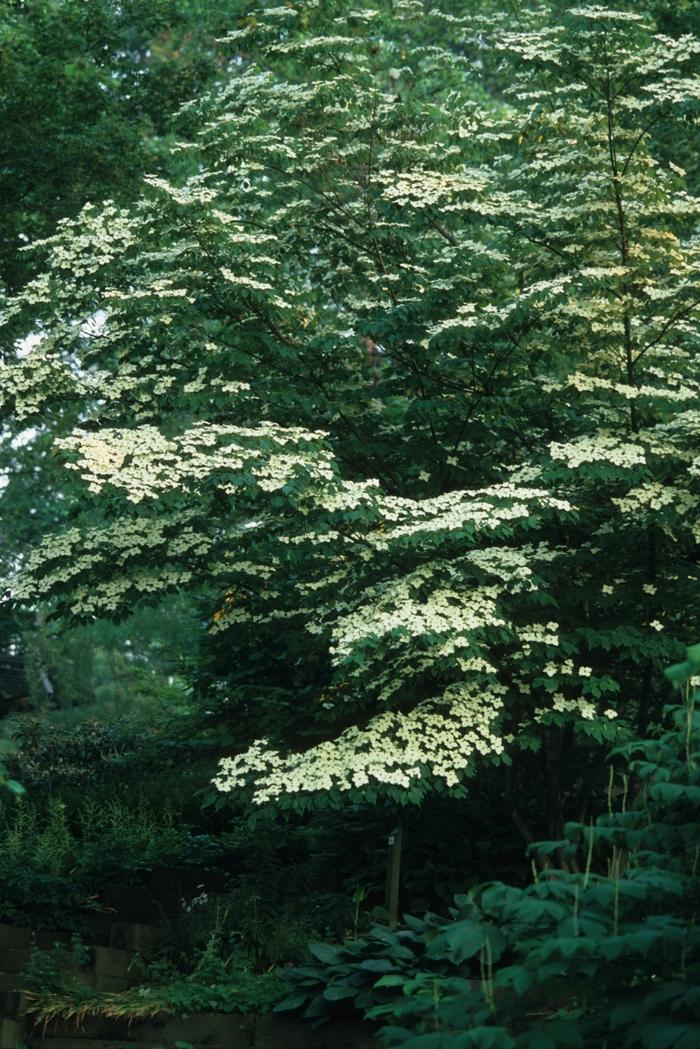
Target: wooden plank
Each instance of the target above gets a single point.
(282, 1032)
(111, 961)
(134, 936)
(35, 1041)
(393, 870)
(113, 984)
(45, 939)
(13, 960)
(13, 1004)
(98, 926)
(350, 1034)
(11, 982)
(214, 1030)
(15, 937)
(11, 1033)
(286, 1032)
(231, 1029)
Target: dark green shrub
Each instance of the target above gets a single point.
(54, 863)
(49, 758)
(216, 982)
(148, 758)
(51, 971)
(364, 973)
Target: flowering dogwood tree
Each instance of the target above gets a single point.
(406, 376)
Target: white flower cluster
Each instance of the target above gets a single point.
(581, 707)
(244, 281)
(347, 495)
(443, 612)
(193, 192)
(246, 272)
(657, 496)
(162, 288)
(468, 316)
(484, 509)
(599, 448)
(73, 556)
(538, 634)
(26, 385)
(567, 667)
(421, 189)
(583, 383)
(144, 463)
(439, 738)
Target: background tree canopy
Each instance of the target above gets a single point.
(88, 98)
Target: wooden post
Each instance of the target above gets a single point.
(392, 876)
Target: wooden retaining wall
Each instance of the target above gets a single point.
(210, 1030)
(111, 968)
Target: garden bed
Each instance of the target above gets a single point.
(229, 1031)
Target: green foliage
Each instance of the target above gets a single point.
(54, 862)
(50, 971)
(350, 977)
(212, 982)
(606, 952)
(235, 992)
(9, 784)
(87, 90)
(155, 749)
(242, 929)
(112, 666)
(222, 992)
(211, 979)
(393, 373)
(258, 893)
(50, 758)
(215, 977)
(402, 380)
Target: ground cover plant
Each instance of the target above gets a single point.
(349, 482)
(213, 985)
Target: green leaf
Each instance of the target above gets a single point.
(669, 793)
(679, 673)
(566, 1032)
(693, 656)
(459, 941)
(425, 1041)
(325, 953)
(391, 981)
(663, 1036)
(336, 992)
(377, 965)
(291, 1002)
(416, 924)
